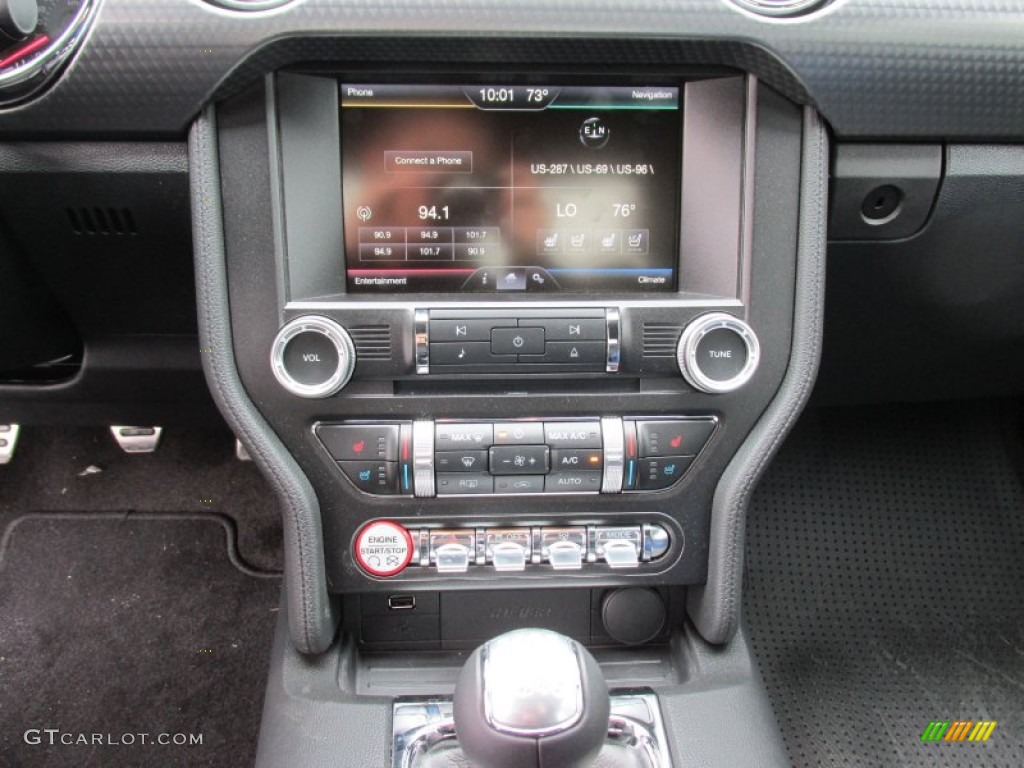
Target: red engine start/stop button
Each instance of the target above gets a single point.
(383, 548)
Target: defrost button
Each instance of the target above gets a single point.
(452, 551)
(452, 558)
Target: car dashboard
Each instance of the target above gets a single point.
(511, 305)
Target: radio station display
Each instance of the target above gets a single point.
(510, 188)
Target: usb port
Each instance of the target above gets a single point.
(401, 602)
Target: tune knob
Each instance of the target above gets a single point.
(718, 353)
(313, 357)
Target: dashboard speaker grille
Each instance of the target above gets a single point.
(372, 342)
(101, 221)
(660, 340)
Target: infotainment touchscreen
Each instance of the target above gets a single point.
(540, 188)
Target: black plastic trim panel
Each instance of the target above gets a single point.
(908, 68)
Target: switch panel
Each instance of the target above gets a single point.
(386, 548)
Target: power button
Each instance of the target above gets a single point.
(383, 548)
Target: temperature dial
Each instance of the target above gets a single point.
(313, 357)
(718, 353)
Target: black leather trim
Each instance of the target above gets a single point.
(312, 617)
(715, 606)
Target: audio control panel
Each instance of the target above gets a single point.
(316, 356)
(524, 341)
(516, 457)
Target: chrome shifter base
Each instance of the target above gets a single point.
(423, 734)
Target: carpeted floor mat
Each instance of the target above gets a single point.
(81, 469)
(885, 585)
(114, 626)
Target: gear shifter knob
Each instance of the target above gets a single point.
(531, 698)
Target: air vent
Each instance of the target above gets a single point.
(372, 342)
(661, 340)
(101, 221)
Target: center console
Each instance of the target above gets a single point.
(527, 303)
(512, 349)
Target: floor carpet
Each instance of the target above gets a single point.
(117, 625)
(885, 584)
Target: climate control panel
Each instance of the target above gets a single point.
(516, 457)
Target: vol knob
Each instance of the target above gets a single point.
(313, 357)
(18, 18)
(718, 353)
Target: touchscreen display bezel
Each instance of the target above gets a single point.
(668, 218)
